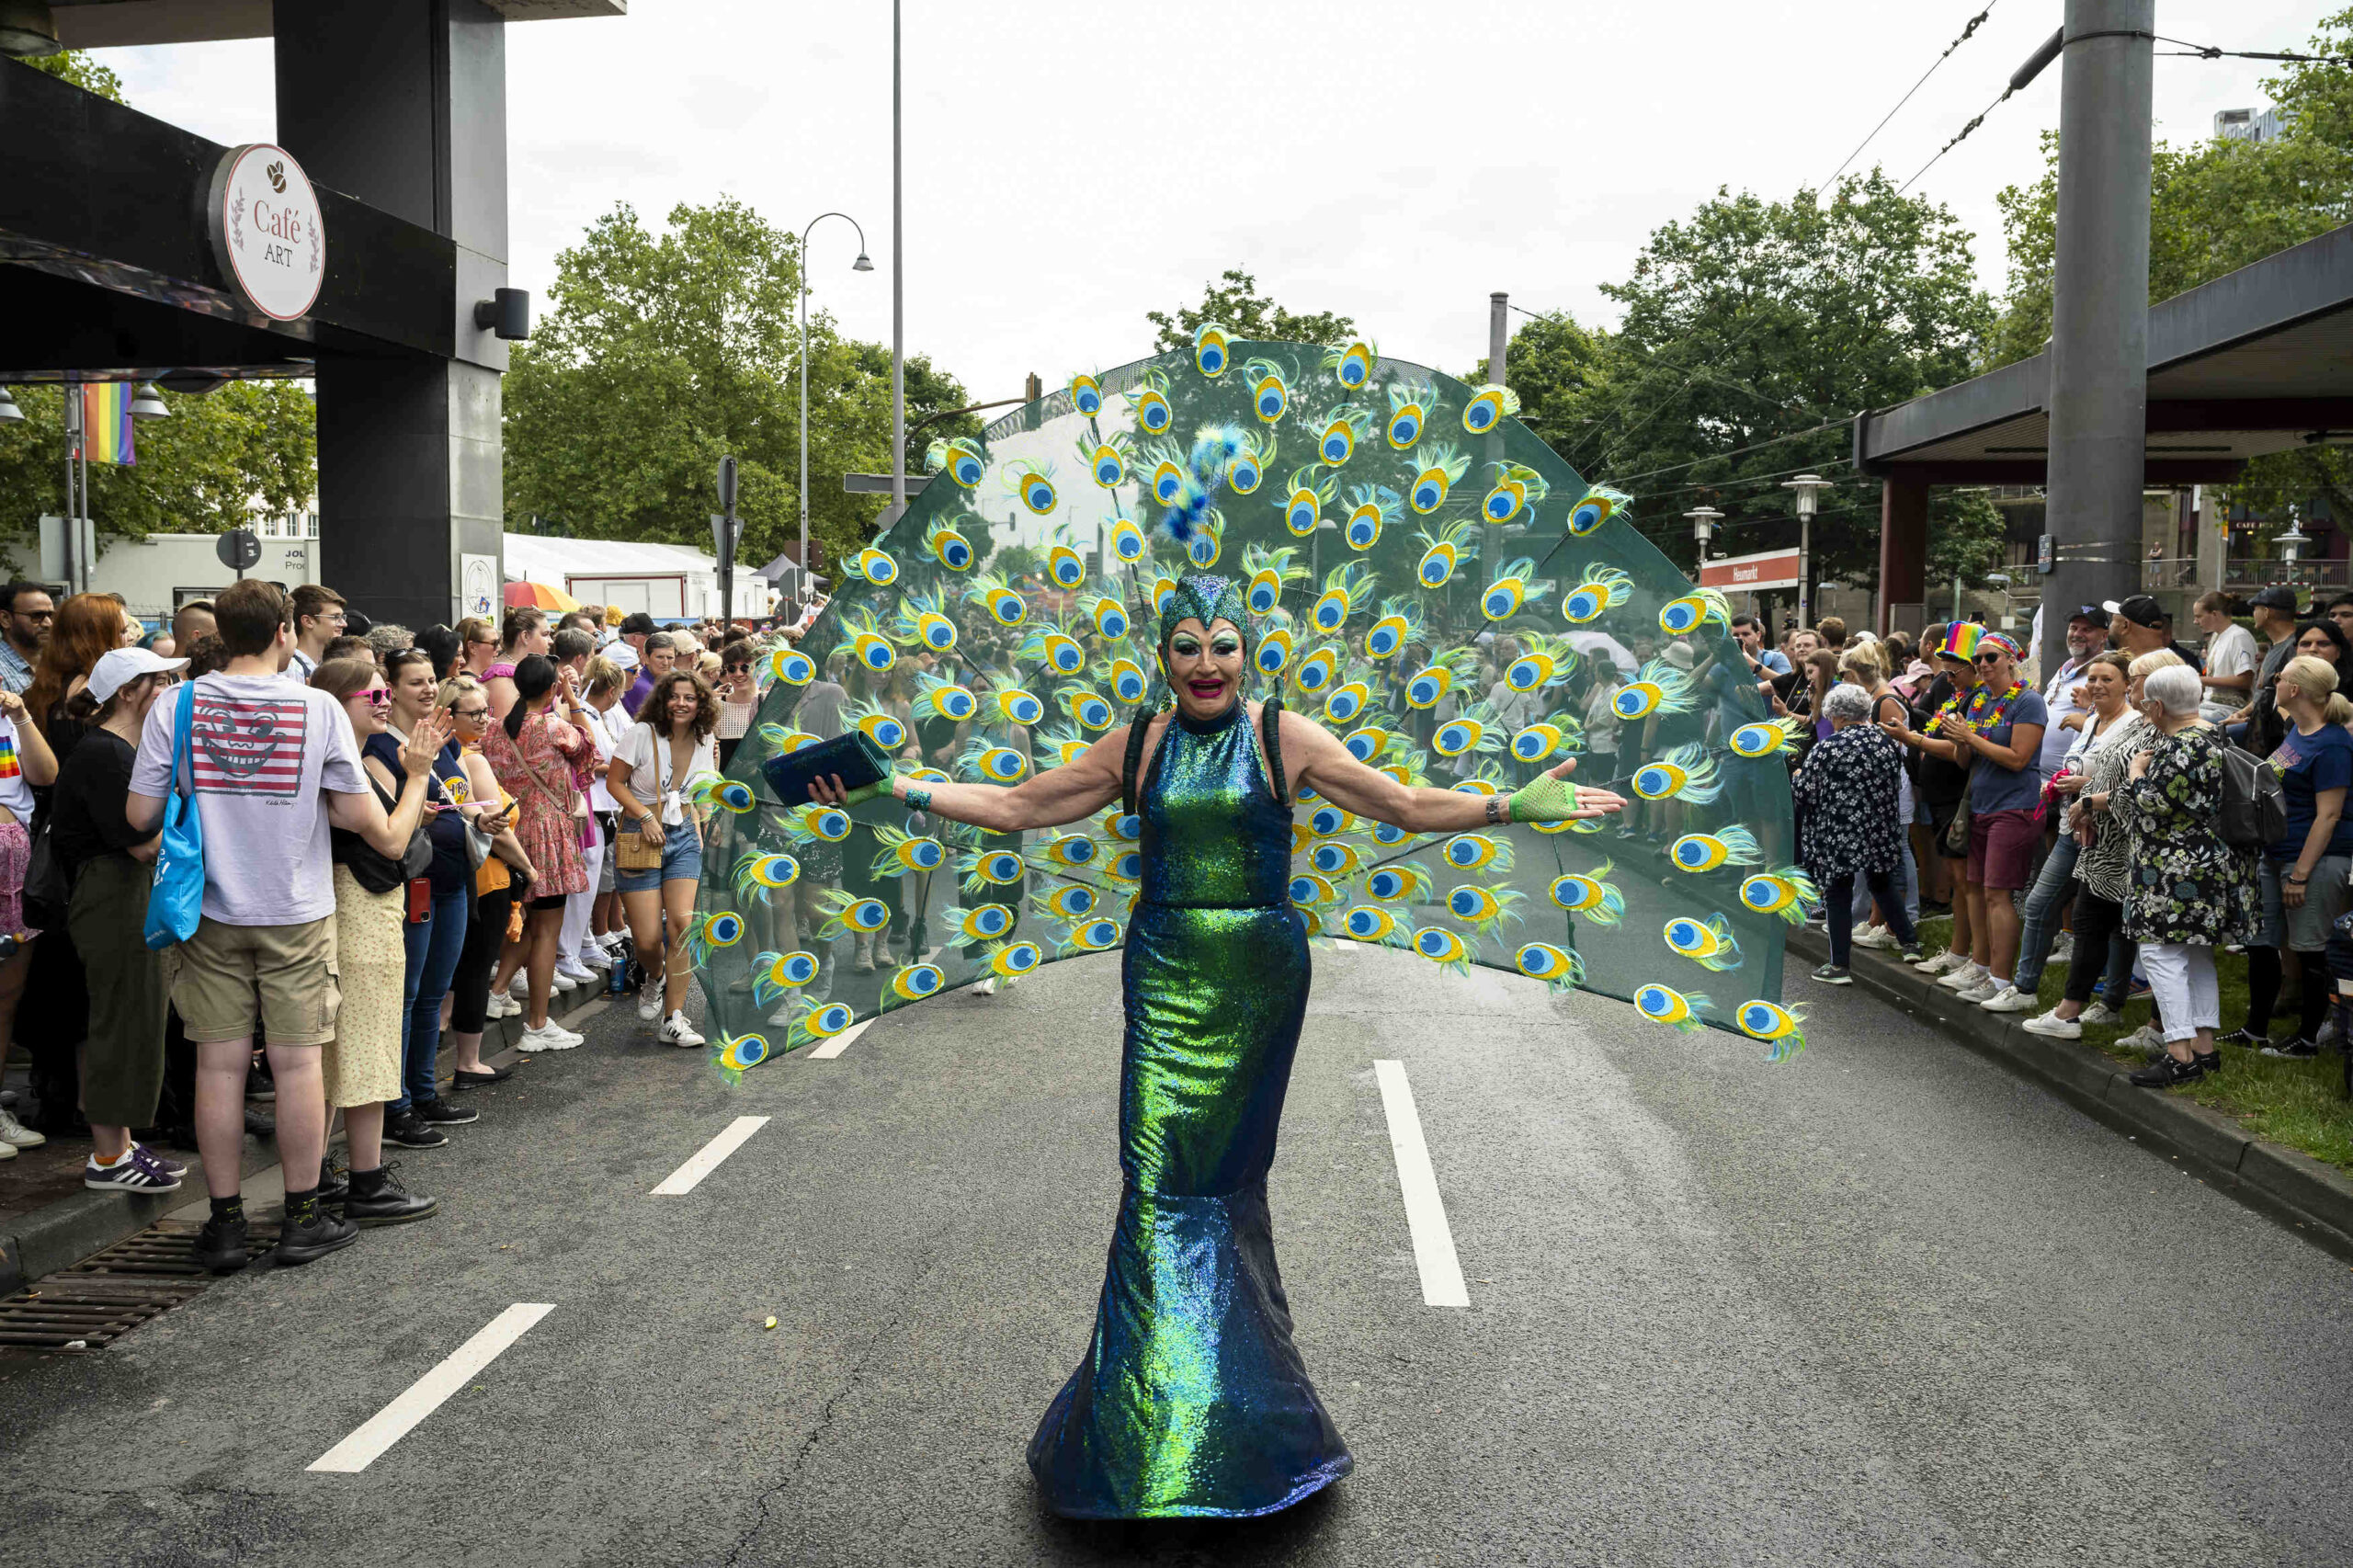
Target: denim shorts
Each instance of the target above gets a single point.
(2303, 929)
(681, 858)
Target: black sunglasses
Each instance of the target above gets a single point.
(1994, 657)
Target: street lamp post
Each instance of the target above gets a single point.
(2290, 543)
(1808, 487)
(860, 265)
(1703, 521)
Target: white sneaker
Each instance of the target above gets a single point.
(2145, 1038)
(649, 1004)
(549, 1038)
(16, 1135)
(675, 1031)
(7, 1151)
(521, 984)
(2052, 1023)
(1964, 976)
(1942, 963)
(2099, 1013)
(1983, 992)
(2064, 949)
(985, 987)
(579, 974)
(559, 982)
(2009, 999)
(502, 1005)
(591, 956)
(1874, 936)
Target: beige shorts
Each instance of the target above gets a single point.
(283, 975)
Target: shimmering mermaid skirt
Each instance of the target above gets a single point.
(1192, 1399)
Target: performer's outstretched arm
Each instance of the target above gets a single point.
(1048, 799)
(1329, 768)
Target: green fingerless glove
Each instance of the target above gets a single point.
(868, 791)
(1545, 799)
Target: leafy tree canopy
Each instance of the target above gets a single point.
(1754, 330)
(1234, 303)
(76, 66)
(660, 354)
(2215, 207)
(223, 458)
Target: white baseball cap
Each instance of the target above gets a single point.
(119, 668)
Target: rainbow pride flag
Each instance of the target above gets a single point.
(106, 423)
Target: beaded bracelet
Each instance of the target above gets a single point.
(919, 800)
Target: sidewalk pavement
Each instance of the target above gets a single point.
(60, 1235)
(2313, 1199)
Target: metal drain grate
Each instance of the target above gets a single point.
(106, 1296)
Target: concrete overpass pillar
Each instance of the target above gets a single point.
(402, 104)
(1902, 548)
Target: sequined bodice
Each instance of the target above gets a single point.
(1213, 835)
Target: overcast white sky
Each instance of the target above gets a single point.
(1071, 166)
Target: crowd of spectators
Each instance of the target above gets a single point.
(2099, 820)
(404, 834)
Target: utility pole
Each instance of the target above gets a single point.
(2099, 318)
(1498, 340)
(898, 301)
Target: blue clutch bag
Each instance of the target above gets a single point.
(852, 753)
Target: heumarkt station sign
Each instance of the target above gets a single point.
(364, 250)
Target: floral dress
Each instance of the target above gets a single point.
(1846, 793)
(536, 770)
(2185, 884)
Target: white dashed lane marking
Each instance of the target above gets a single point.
(707, 1158)
(425, 1396)
(1425, 1211)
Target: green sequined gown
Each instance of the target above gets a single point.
(1192, 1399)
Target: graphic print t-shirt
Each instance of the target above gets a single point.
(265, 750)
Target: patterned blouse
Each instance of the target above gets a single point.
(536, 770)
(2187, 884)
(1846, 795)
(2105, 866)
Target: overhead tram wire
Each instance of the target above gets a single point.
(2019, 79)
(2059, 40)
(1966, 34)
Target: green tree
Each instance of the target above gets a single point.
(659, 354)
(1234, 303)
(2215, 207)
(1561, 373)
(1753, 332)
(222, 458)
(76, 66)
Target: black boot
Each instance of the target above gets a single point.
(333, 1182)
(379, 1198)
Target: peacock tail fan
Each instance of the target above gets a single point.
(1427, 580)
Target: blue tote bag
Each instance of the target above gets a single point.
(177, 901)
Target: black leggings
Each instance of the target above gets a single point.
(2265, 977)
(470, 988)
(2096, 921)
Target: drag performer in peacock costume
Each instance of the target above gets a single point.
(1192, 1399)
(1444, 619)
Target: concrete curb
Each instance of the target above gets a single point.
(2315, 1199)
(63, 1233)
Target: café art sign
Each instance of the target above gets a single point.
(268, 234)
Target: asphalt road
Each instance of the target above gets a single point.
(1881, 1304)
